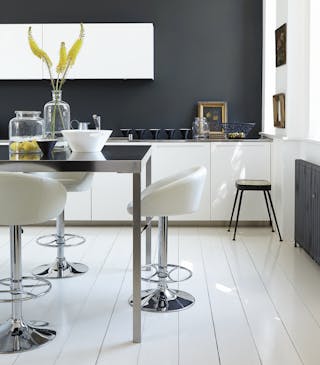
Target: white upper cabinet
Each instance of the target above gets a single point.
(109, 51)
(17, 61)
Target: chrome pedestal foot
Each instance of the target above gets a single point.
(60, 269)
(165, 300)
(18, 336)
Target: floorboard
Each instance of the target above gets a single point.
(257, 301)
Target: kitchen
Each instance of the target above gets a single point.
(254, 299)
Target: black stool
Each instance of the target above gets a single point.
(253, 185)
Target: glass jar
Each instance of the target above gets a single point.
(57, 117)
(200, 128)
(24, 130)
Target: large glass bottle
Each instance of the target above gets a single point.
(57, 117)
(24, 130)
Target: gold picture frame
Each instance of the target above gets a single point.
(216, 113)
(279, 111)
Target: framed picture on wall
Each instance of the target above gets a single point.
(216, 113)
(279, 111)
(281, 45)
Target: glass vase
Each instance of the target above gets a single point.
(57, 117)
(24, 130)
(200, 128)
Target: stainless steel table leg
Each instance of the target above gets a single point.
(148, 232)
(136, 199)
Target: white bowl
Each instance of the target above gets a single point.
(90, 140)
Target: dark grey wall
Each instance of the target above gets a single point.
(204, 50)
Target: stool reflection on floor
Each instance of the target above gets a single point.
(175, 195)
(22, 203)
(253, 185)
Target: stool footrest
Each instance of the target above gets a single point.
(31, 289)
(171, 274)
(53, 240)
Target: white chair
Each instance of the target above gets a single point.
(175, 195)
(61, 268)
(24, 200)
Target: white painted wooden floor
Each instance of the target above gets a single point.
(257, 302)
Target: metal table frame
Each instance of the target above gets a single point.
(88, 164)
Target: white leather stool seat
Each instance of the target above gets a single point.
(27, 199)
(174, 195)
(72, 181)
(177, 194)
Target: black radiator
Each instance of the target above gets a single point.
(307, 208)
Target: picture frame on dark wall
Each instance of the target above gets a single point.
(279, 111)
(216, 113)
(281, 45)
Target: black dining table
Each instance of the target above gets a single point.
(130, 159)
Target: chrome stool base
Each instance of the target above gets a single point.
(165, 300)
(18, 336)
(60, 269)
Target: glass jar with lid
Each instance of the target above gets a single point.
(24, 130)
(200, 128)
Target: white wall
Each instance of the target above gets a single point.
(291, 79)
(314, 70)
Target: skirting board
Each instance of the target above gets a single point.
(155, 223)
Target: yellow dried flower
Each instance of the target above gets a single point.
(63, 59)
(36, 50)
(74, 50)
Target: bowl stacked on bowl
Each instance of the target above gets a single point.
(90, 140)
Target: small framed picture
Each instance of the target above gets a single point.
(216, 113)
(279, 111)
(281, 45)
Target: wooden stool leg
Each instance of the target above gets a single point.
(265, 198)
(236, 226)
(274, 215)
(234, 205)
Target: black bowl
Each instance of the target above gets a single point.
(46, 145)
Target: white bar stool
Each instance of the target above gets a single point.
(175, 195)
(61, 268)
(24, 200)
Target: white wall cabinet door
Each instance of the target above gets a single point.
(109, 51)
(17, 62)
(170, 158)
(78, 206)
(238, 160)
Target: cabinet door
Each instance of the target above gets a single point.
(78, 206)
(238, 160)
(111, 193)
(109, 51)
(17, 62)
(169, 158)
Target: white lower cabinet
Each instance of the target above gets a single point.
(225, 161)
(78, 206)
(111, 193)
(170, 158)
(238, 160)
